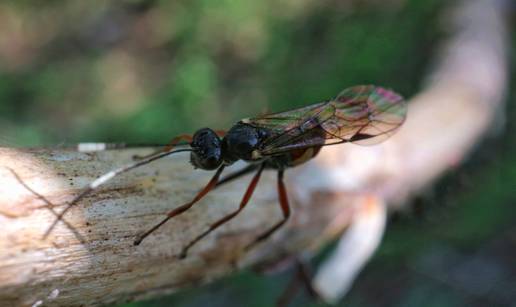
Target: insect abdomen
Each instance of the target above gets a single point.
(300, 156)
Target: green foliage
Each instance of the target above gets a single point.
(144, 72)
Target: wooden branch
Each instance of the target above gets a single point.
(89, 258)
(445, 120)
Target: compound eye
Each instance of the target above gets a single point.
(211, 163)
(202, 161)
(207, 152)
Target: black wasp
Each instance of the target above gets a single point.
(364, 114)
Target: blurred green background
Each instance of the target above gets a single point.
(144, 71)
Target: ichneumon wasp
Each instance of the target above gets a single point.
(363, 114)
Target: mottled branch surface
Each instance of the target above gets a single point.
(89, 258)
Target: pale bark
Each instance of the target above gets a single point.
(89, 258)
(458, 106)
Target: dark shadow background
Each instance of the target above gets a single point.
(144, 71)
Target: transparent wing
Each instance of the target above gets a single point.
(281, 122)
(363, 115)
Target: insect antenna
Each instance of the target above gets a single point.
(95, 184)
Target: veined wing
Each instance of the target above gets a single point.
(363, 115)
(281, 122)
(287, 127)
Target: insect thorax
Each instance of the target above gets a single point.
(242, 142)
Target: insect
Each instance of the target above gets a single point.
(363, 114)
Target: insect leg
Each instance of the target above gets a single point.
(184, 207)
(305, 274)
(95, 184)
(289, 292)
(246, 170)
(169, 146)
(285, 208)
(302, 275)
(243, 203)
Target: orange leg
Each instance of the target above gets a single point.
(243, 203)
(246, 170)
(285, 208)
(102, 180)
(183, 208)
